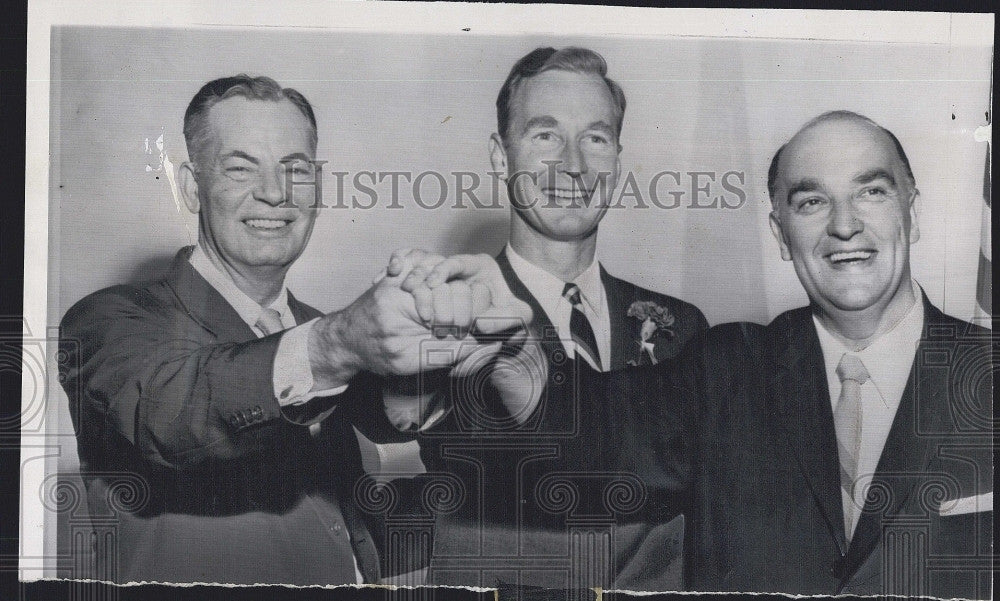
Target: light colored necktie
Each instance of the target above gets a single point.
(269, 321)
(847, 423)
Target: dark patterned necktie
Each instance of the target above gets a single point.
(580, 328)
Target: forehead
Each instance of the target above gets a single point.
(563, 95)
(239, 123)
(835, 152)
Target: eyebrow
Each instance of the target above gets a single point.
(602, 126)
(803, 185)
(301, 156)
(874, 174)
(544, 121)
(239, 154)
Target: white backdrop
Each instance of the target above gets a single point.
(419, 102)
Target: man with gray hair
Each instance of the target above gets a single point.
(214, 411)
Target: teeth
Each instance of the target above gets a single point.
(266, 224)
(855, 255)
(567, 193)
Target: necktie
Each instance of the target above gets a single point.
(580, 328)
(847, 423)
(269, 321)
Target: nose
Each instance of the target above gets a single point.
(844, 220)
(271, 188)
(572, 160)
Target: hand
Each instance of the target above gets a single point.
(518, 372)
(494, 307)
(405, 260)
(383, 332)
(517, 367)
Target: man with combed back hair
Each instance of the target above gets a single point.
(559, 121)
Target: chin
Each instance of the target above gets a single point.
(572, 231)
(852, 300)
(271, 258)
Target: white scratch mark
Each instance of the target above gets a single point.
(983, 133)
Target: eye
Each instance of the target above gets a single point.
(239, 173)
(873, 192)
(810, 204)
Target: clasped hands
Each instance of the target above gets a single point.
(430, 313)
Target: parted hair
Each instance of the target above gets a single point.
(196, 130)
(540, 60)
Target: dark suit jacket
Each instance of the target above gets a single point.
(767, 514)
(540, 506)
(193, 470)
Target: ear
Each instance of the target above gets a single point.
(914, 228)
(189, 187)
(498, 155)
(779, 234)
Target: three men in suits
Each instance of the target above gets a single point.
(559, 118)
(214, 411)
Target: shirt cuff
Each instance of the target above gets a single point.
(293, 379)
(410, 411)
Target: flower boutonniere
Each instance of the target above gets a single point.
(656, 320)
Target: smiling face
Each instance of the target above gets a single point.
(238, 186)
(844, 215)
(561, 142)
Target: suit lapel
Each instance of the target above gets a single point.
(540, 318)
(905, 455)
(800, 402)
(301, 311)
(203, 303)
(624, 331)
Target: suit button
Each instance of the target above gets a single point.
(234, 420)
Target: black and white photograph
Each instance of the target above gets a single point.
(553, 300)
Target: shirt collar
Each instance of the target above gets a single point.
(247, 308)
(889, 358)
(548, 289)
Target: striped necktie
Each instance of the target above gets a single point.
(580, 328)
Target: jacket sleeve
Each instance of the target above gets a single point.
(140, 367)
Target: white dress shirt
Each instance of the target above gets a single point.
(548, 291)
(888, 360)
(293, 379)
